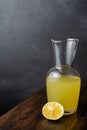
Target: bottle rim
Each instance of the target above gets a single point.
(56, 40)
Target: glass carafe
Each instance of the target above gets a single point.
(63, 81)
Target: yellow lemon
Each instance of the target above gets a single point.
(52, 110)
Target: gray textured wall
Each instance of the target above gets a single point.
(26, 27)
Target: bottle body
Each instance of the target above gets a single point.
(63, 86)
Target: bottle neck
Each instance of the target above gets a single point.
(64, 52)
(57, 59)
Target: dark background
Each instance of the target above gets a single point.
(26, 27)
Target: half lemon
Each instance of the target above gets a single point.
(52, 110)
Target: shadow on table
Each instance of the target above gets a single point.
(49, 125)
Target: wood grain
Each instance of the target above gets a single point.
(27, 115)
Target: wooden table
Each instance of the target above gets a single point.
(27, 115)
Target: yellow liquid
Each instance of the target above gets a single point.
(64, 90)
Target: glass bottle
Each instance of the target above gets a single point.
(63, 81)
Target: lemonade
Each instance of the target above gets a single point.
(64, 90)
